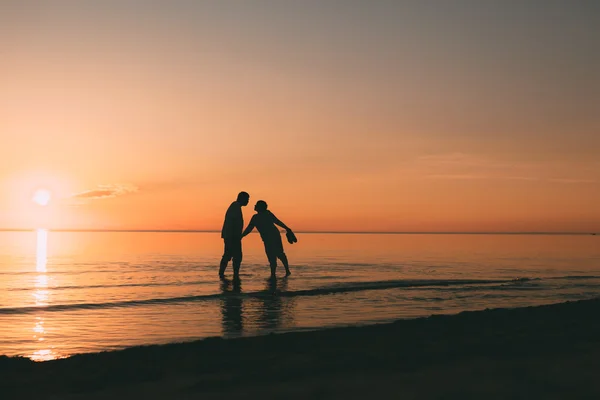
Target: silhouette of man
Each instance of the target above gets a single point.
(232, 235)
(265, 221)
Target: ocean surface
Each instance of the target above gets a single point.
(63, 293)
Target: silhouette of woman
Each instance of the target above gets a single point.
(265, 221)
(275, 311)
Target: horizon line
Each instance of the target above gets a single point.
(314, 231)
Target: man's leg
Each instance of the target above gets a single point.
(223, 266)
(237, 258)
(237, 264)
(225, 259)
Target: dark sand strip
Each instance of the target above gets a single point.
(546, 352)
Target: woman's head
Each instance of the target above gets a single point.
(261, 205)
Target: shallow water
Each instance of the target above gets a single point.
(63, 293)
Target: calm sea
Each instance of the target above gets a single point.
(63, 293)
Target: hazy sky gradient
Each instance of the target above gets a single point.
(343, 115)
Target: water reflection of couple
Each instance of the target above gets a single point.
(273, 310)
(265, 222)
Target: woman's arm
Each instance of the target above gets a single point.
(248, 228)
(281, 224)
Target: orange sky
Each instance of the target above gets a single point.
(345, 116)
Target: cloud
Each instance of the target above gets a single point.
(456, 176)
(481, 176)
(466, 161)
(451, 158)
(461, 166)
(105, 191)
(572, 180)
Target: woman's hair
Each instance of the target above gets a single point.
(261, 205)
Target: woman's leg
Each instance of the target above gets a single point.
(285, 263)
(274, 250)
(272, 257)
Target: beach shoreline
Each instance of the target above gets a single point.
(550, 351)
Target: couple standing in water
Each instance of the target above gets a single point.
(265, 222)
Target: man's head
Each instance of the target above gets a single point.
(243, 198)
(261, 205)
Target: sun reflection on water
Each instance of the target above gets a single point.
(41, 295)
(41, 253)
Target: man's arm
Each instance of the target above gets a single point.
(249, 228)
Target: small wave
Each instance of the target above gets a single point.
(67, 272)
(111, 270)
(515, 280)
(333, 289)
(356, 286)
(574, 277)
(119, 285)
(344, 287)
(94, 306)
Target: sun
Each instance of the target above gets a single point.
(42, 197)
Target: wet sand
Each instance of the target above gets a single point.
(546, 352)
